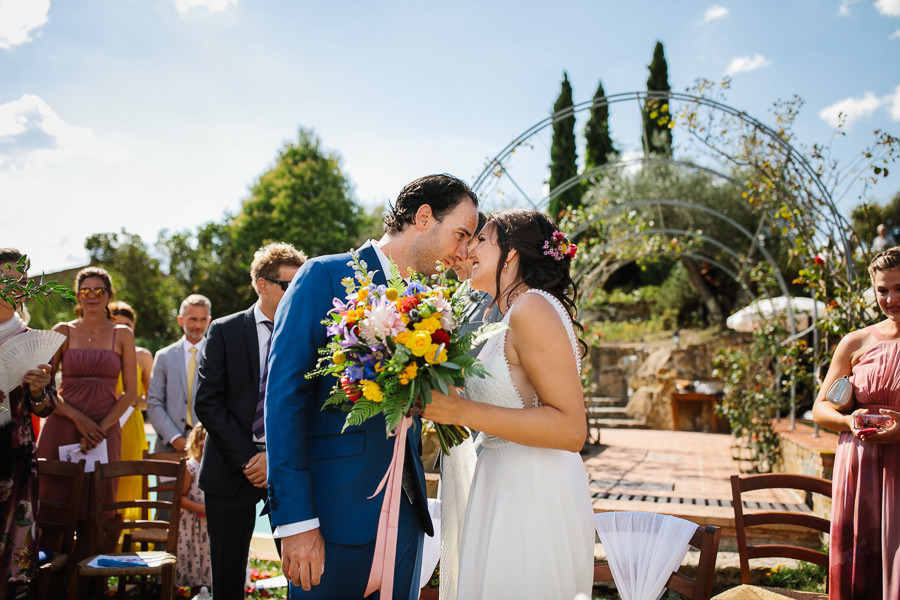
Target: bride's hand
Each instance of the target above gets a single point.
(445, 409)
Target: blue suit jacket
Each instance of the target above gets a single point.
(313, 469)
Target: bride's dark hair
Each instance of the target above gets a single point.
(527, 231)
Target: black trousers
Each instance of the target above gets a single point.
(230, 521)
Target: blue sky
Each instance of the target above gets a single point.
(159, 114)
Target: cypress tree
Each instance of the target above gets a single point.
(563, 155)
(599, 144)
(657, 119)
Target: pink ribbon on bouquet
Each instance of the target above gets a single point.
(381, 577)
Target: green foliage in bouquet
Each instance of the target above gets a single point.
(390, 346)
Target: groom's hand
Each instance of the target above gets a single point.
(303, 558)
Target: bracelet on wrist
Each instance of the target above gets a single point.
(39, 399)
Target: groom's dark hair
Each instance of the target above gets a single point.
(441, 192)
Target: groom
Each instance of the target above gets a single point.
(319, 479)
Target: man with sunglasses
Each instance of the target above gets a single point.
(232, 384)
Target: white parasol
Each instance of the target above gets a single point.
(752, 316)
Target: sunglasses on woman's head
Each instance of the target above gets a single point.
(97, 291)
(284, 284)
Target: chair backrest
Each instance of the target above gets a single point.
(110, 529)
(56, 518)
(747, 483)
(706, 540)
(151, 487)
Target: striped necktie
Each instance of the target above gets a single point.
(259, 420)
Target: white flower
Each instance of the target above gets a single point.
(448, 323)
(381, 321)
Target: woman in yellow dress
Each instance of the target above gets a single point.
(134, 439)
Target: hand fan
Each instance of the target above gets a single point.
(643, 549)
(24, 352)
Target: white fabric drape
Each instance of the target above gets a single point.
(643, 549)
(457, 471)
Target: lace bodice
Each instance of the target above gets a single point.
(498, 389)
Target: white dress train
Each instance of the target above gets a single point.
(528, 530)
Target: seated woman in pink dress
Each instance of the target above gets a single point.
(864, 554)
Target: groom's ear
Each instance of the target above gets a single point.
(424, 217)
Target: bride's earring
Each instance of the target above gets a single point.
(504, 266)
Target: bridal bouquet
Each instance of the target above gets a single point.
(391, 345)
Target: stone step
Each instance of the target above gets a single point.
(617, 424)
(607, 412)
(595, 401)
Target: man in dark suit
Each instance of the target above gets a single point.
(320, 479)
(232, 384)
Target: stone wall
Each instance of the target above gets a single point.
(646, 374)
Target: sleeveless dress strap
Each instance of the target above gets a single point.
(566, 321)
(115, 331)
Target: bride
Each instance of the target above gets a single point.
(528, 528)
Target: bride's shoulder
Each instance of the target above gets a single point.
(536, 308)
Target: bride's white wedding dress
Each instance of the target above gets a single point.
(529, 525)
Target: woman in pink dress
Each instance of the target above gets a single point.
(95, 351)
(864, 554)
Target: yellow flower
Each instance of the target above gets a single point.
(391, 294)
(430, 325)
(338, 357)
(409, 373)
(403, 337)
(433, 356)
(363, 294)
(418, 342)
(371, 390)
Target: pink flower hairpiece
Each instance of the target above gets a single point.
(559, 247)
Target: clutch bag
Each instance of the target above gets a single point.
(840, 394)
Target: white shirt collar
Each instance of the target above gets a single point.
(187, 345)
(258, 314)
(383, 259)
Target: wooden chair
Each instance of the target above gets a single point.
(705, 539)
(143, 538)
(159, 563)
(746, 483)
(56, 525)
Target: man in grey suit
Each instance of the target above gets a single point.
(175, 377)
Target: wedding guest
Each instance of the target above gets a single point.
(883, 240)
(96, 350)
(864, 553)
(18, 467)
(527, 530)
(193, 566)
(229, 402)
(174, 381)
(319, 479)
(134, 438)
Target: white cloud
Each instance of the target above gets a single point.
(18, 18)
(31, 133)
(893, 104)
(185, 6)
(743, 64)
(850, 109)
(895, 35)
(844, 8)
(712, 13)
(890, 8)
